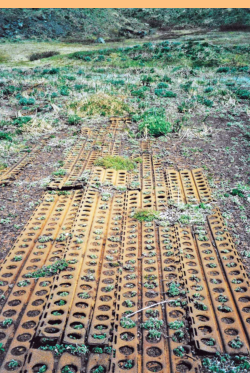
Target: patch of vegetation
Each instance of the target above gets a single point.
(116, 163)
(50, 270)
(146, 215)
(226, 364)
(102, 104)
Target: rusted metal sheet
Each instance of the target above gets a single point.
(202, 185)
(102, 324)
(223, 303)
(67, 280)
(25, 283)
(174, 186)
(235, 273)
(18, 255)
(96, 361)
(11, 173)
(117, 266)
(125, 339)
(187, 186)
(154, 346)
(179, 352)
(37, 359)
(25, 332)
(204, 324)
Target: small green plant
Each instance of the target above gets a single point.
(127, 323)
(7, 322)
(176, 325)
(236, 343)
(13, 364)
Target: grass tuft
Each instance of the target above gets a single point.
(116, 163)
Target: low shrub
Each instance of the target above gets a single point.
(39, 56)
(164, 93)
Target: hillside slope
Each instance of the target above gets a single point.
(113, 24)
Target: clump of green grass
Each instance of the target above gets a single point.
(146, 215)
(102, 104)
(116, 163)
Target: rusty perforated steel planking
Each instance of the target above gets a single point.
(11, 173)
(23, 336)
(25, 242)
(187, 186)
(151, 276)
(171, 274)
(204, 324)
(221, 297)
(70, 276)
(102, 325)
(21, 293)
(125, 340)
(233, 267)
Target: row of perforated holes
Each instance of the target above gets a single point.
(18, 297)
(188, 186)
(174, 186)
(168, 244)
(202, 186)
(108, 276)
(151, 269)
(196, 284)
(131, 345)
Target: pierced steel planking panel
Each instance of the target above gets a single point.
(125, 341)
(26, 241)
(11, 173)
(171, 274)
(204, 323)
(106, 295)
(233, 267)
(24, 334)
(20, 294)
(221, 297)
